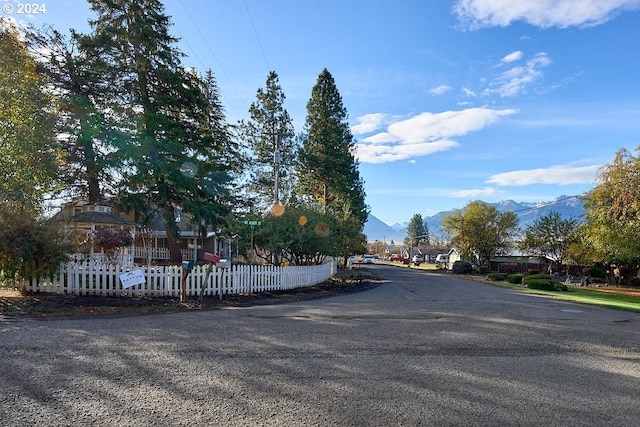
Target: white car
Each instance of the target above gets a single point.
(369, 259)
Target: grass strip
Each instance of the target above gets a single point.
(595, 296)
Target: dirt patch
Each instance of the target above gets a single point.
(15, 304)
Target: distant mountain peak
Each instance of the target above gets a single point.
(566, 206)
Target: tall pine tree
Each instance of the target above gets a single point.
(417, 232)
(270, 135)
(327, 169)
(176, 135)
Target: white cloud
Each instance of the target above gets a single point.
(514, 80)
(383, 153)
(474, 14)
(469, 92)
(512, 57)
(368, 123)
(430, 127)
(439, 90)
(477, 192)
(557, 175)
(426, 133)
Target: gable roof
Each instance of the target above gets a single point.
(100, 218)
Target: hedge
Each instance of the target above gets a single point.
(515, 278)
(545, 284)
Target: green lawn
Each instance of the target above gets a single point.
(593, 296)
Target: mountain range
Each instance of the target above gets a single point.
(566, 206)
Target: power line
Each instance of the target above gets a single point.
(224, 72)
(257, 37)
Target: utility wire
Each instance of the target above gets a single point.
(224, 72)
(257, 37)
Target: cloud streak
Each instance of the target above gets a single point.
(512, 57)
(476, 192)
(475, 14)
(423, 134)
(516, 79)
(439, 90)
(556, 175)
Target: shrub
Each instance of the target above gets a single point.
(534, 276)
(29, 246)
(515, 278)
(483, 270)
(110, 239)
(596, 271)
(543, 282)
(497, 277)
(533, 271)
(635, 282)
(461, 267)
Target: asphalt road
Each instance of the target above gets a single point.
(420, 349)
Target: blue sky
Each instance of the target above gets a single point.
(450, 101)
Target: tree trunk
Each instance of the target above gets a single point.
(175, 255)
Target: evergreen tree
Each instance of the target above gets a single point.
(417, 233)
(214, 178)
(327, 169)
(270, 135)
(175, 134)
(81, 126)
(28, 152)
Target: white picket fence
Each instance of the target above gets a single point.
(88, 278)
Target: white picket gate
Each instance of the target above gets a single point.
(87, 278)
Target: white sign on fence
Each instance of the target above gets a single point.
(132, 278)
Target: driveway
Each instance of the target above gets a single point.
(420, 349)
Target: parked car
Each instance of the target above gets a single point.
(369, 259)
(418, 258)
(399, 258)
(442, 258)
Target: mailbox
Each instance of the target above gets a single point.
(209, 257)
(187, 265)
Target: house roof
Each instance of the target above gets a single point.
(100, 218)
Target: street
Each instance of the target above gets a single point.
(420, 349)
